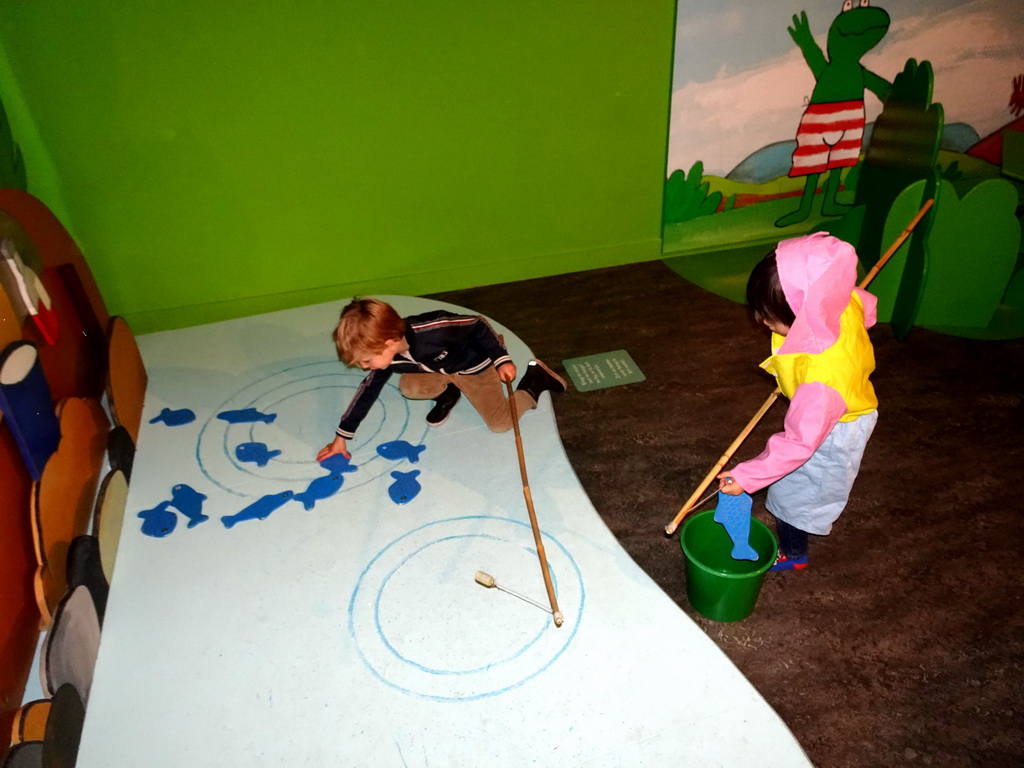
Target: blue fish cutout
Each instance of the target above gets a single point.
(259, 509)
(321, 488)
(174, 418)
(733, 512)
(189, 502)
(256, 453)
(158, 521)
(338, 464)
(246, 416)
(397, 450)
(405, 487)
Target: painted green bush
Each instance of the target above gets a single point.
(687, 196)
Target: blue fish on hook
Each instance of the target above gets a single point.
(174, 418)
(405, 488)
(246, 416)
(321, 488)
(396, 450)
(158, 521)
(256, 453)
(338, 464)
(259, 509)
(733, 512)
(189, 502)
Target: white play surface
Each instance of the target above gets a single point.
(354, 634)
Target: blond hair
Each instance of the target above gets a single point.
(364, 327)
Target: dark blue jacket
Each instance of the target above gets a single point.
(439, 342)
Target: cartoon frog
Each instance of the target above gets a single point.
(832, 127)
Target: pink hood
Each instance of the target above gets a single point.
(818, 273)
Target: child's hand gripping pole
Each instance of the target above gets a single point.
(557, 614)
(671, 527)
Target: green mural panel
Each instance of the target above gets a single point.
(968, 250)
(886, 284)
(972, 252)
(220, 158)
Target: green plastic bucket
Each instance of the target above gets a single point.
(719, 587)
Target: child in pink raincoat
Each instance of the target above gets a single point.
(806, 293)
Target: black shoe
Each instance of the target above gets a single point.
(539, 378)
(443, 405)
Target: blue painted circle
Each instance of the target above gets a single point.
(419, 653)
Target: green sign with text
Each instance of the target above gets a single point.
(608, 369)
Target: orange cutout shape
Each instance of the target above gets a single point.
(30, 723)
(62, 499)
(126, 377)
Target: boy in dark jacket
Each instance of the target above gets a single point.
(441, 356)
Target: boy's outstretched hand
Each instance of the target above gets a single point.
(507, 372)
(728, 485)
(337, 446)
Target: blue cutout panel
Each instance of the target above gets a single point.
(338, 464)
(158, 521)
(396, 450)
(189, 502)
(320, 488)
(27, 405)
(246, 416)
(255, 453)
(258, 510)
(733, 513)
(405, 488)
(174, 418)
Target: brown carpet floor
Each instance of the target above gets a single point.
(903, 642)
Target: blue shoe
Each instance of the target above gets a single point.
(783, 563)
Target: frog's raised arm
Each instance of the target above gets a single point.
(877, 84)
(813, 55)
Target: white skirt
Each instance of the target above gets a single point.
(813, 495)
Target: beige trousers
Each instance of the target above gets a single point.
(484, 390)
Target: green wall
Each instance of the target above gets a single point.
(215, 159)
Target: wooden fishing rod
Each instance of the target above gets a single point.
(557, 614)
